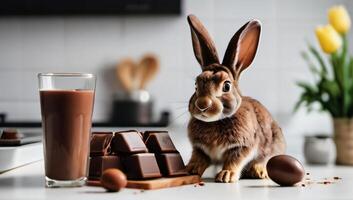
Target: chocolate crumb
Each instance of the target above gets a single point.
(195, 185)
(336, 178)
(201, 183)
(310, 182)
(303, 185)
(307, 173)
(138, 192)
(324, 182)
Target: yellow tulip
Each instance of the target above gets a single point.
(339, 19)
(330, 41)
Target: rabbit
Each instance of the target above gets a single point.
(225, 127)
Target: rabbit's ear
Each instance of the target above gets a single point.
(204, 48)
(242, 47)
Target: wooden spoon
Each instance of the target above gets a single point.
(125, 72)
(148, 68)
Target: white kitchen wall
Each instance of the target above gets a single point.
(29, 45)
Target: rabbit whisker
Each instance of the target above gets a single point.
(175, 119)
(179, 102)
(181, 107)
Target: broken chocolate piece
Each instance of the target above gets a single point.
(171, 164)
(160, 143)
(100, 163)
(147, 133)
(141, 166)
(128, 142)
(100, 143)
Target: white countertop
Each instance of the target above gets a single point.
(27, 182)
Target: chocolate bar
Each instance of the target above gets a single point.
(147, 133)
(12, 137)
(100, 163)
(160, 143)
(141, 166)
(100, 143)
(171, 164)
(11, 134)
(128, 142)
(127, 150)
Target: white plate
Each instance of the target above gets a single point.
(16, 156)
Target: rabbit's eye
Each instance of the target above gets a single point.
(227, 86)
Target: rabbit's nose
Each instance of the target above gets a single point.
(203, 103)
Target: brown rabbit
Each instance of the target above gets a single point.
(226, 127)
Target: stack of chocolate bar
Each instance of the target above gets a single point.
(140, 156)
(101, 157)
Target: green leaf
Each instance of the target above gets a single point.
(333, 87)
(298, 104)
(308, 97)
(306, 86)
(351, 69)
(312, 67)
(330, 87)
(318, 57)
(350, 110)
(337, 70)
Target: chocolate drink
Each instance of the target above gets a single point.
(66, 120)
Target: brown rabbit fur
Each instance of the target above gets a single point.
(226, 127)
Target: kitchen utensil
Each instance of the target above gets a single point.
(125, 73)
(134, 76)
(149, 66)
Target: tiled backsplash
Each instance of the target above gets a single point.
(94, 44)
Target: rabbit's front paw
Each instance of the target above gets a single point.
(196, 168)
(258, 171)
(227, 176)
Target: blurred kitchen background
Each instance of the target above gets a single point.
(96, 43)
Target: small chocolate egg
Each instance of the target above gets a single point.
(285, 170)
(113, 180)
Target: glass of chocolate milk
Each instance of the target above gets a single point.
(66, 101)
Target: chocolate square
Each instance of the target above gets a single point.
(128, 143)
(11, 134)
(100, 143)
(100, 163)
(171, 164)
(147, 133)
(141, 166)
(160, 143)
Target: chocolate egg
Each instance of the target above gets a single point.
(113, 180)
(285, 170)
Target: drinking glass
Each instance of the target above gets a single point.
(66, 101)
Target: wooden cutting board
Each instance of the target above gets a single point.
(156, 183)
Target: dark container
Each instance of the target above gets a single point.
(130, 112)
